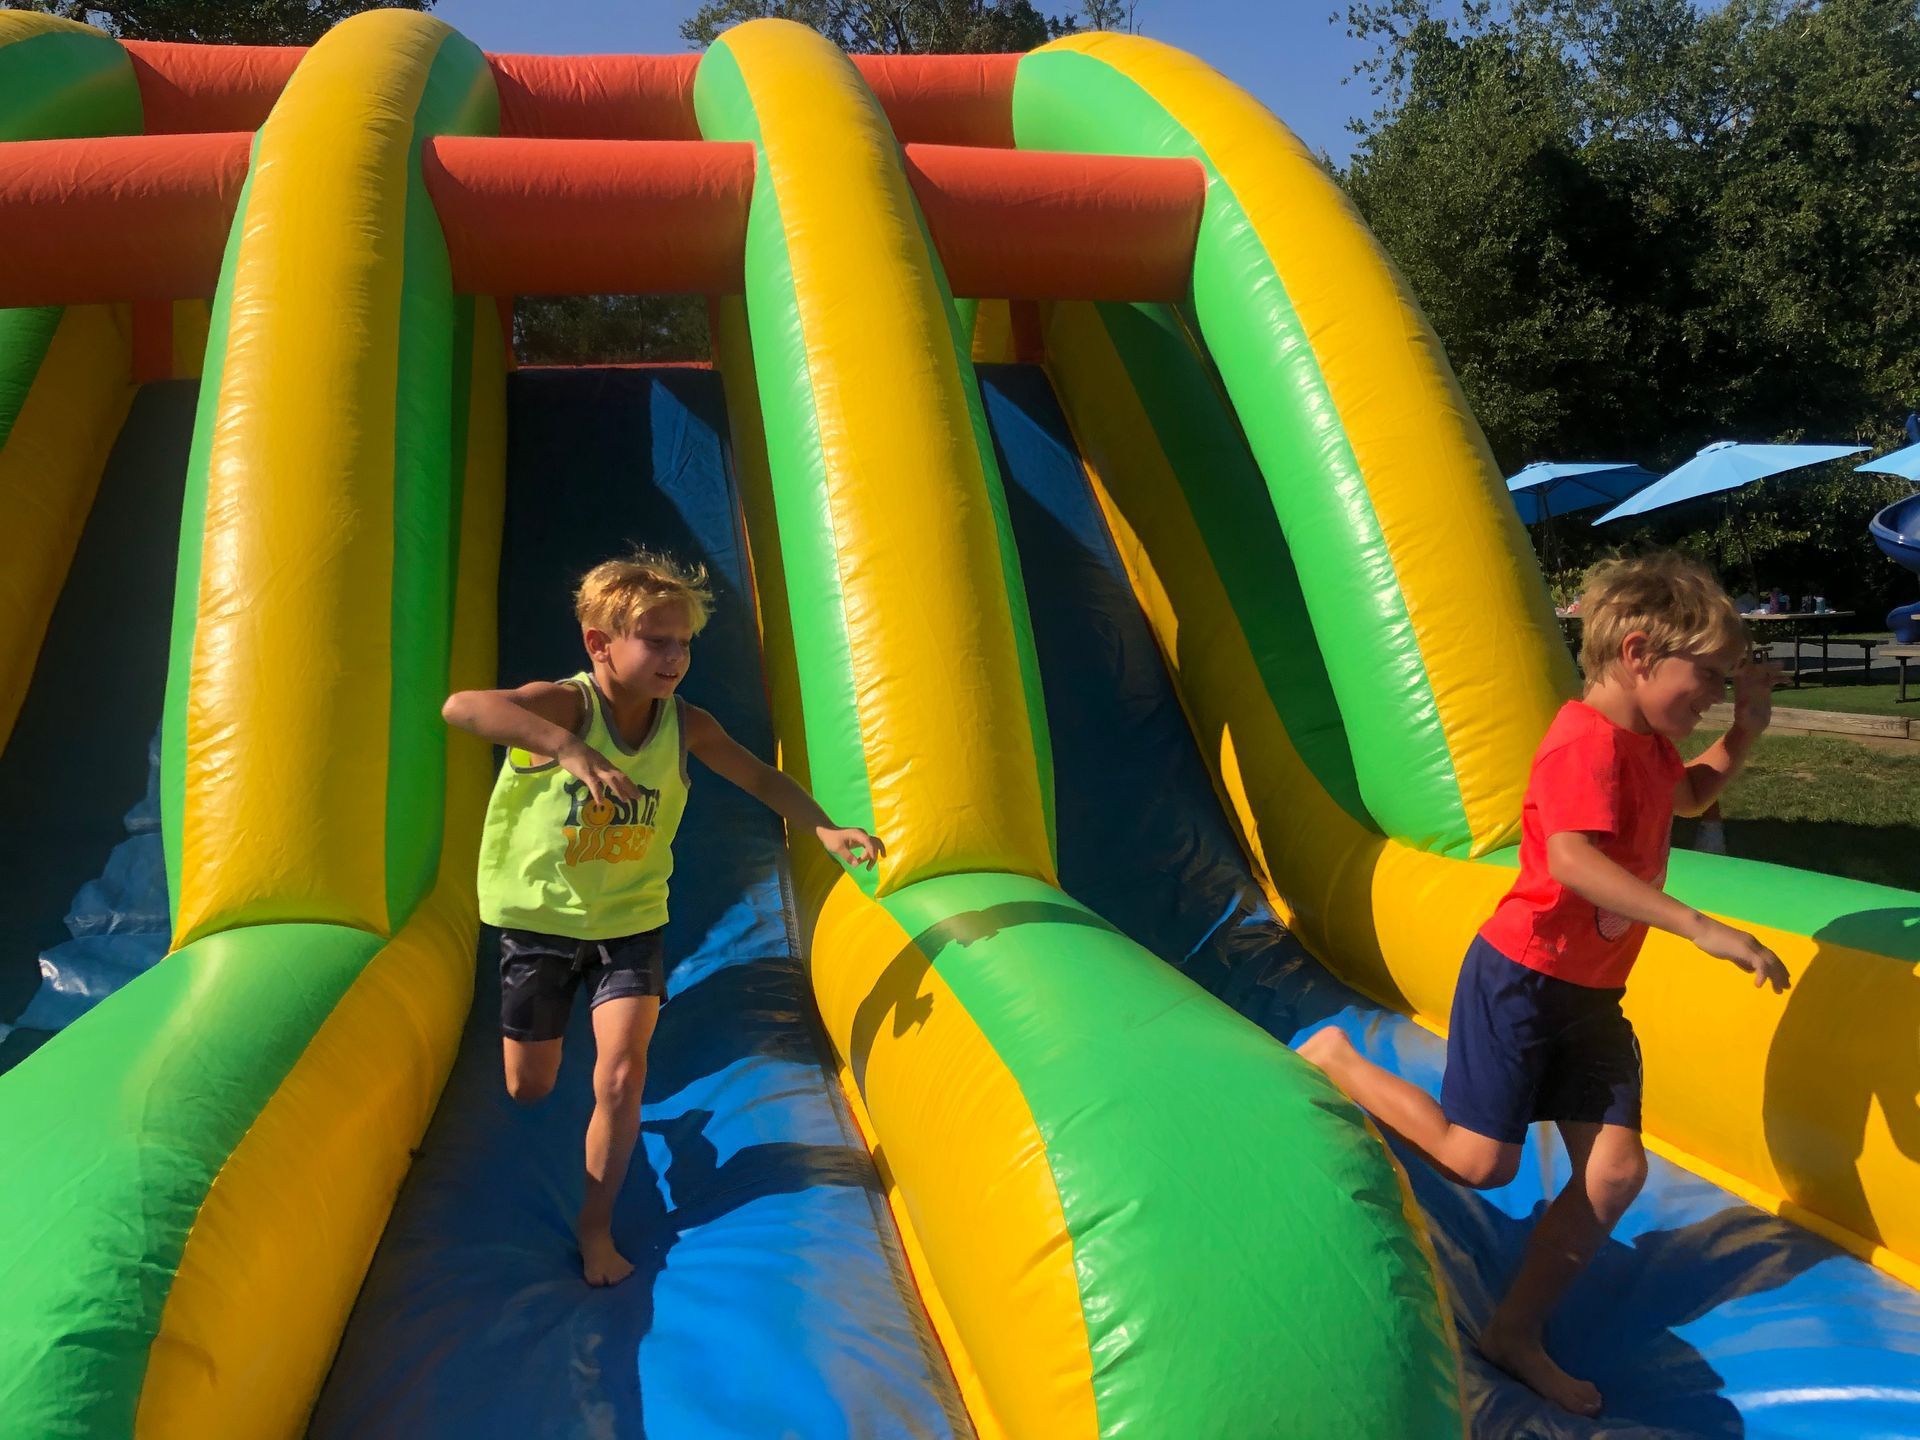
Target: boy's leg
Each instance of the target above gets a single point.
(537, 981)
(1609, 1167)
(532, 1066)
(1462, 1155)
(1473, 1133)
(1710, 836)
(622, 1030)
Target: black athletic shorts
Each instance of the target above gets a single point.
(540, 973)
(1523, 1046)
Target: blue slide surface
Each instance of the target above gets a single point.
(1704, 1317)
(770, 1297)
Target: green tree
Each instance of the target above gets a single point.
(609, 329)
(218, 22)
(1638, 227)
(913, 27)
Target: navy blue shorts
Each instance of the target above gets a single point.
(540, 973)
(1523, 1046)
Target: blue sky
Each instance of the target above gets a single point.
(1287, 53)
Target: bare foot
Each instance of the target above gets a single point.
(1527, 1361)
(602, 1264)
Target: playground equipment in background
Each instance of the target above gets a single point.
(1896, 530)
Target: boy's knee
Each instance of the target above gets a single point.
(617, 1083)
(1613, 1184)
(1489, 1170)
(528, 1089)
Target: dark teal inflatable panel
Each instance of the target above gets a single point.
(77, 760)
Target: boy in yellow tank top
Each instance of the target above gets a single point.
(578, 848)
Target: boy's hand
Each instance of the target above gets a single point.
(1727, 943)
(852, 845)
(593, 770)
(1753, 697)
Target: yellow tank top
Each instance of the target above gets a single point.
(555, 860)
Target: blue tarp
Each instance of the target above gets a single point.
(119, 922)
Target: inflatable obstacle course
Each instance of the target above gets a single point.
(1111, 1203)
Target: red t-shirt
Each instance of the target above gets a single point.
(1616, 786)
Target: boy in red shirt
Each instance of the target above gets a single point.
(1537, 1031)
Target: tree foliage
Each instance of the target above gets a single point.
(609, 329)
(913, 27)
(1638, 227)
(217, 22)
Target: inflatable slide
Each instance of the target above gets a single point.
(1093, 516)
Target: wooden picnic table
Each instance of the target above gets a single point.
(1902, 653)
(1796, 623)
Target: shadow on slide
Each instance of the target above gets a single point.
(769, 1296)
(1703, 1317)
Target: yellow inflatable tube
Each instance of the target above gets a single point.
(262, 1259)
(1025, 1071)
(1031, 1378)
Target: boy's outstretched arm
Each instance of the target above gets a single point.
(1714, 770)
(780, 793)
(1577, 863)
(543, 718)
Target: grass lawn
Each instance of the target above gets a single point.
(1860, 693)
(1875, 699)
(1823, 804)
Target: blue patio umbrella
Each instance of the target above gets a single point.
(1544, 490)
(1904, 463)
(1722, 466)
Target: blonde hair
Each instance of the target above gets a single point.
(614, 594)
(1675, 601)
